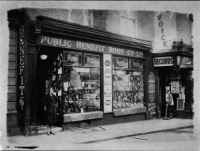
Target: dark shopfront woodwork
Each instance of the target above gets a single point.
(97, 44)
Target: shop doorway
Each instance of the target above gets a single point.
(169, 80)
(43, 71)
(163, 87)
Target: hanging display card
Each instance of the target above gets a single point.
(175, 87)
(91, 60)
(120, 63)
(135, 64)
(72, 59)
(107, 66)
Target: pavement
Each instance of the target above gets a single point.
(74, 138)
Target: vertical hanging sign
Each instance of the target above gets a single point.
(152, 104)
(21, 68)
(107, 67)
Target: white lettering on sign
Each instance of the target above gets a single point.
(21, 65)
(56, 42)
(116, 50)
(163, 61)
(65, 43)
(160, 24)
(87, 46)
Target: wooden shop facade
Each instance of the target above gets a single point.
(99, 77)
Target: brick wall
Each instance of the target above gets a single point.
(12, 114)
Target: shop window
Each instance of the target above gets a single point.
(81, 83)
(128, 86)
(76, 78)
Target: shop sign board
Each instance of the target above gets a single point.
(163, 61)
(165, 30)
(80, 45)
(186, 62)
(21, 66)
(107, 67)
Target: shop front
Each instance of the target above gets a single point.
(99, 78)
(96, 82)
(174, 74)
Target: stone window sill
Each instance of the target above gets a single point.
(127, 111)
(82, 116)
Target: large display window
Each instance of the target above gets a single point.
(82, 89)
(76, 78)
(128, 83)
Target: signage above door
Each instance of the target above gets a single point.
(163, 61)
(80, 45)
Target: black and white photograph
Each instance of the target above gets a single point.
(99, 75)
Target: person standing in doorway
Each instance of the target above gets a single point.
(50, 110)
(170, 103)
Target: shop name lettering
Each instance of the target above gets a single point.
(56, 42)
(160, 24)
(21, 66)
(163, 61)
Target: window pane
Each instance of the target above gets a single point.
(82, 89)
(128, 90)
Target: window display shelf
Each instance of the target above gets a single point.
(82, 116)
(127, 111)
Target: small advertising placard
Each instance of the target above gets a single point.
(180, 104)
(135, 64)
(72, 59)
(91, 60)
(120, 63)
(175, 87)
(107, 61)
(151, 87)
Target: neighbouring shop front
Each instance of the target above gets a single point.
(174, 71)
(99, 77)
